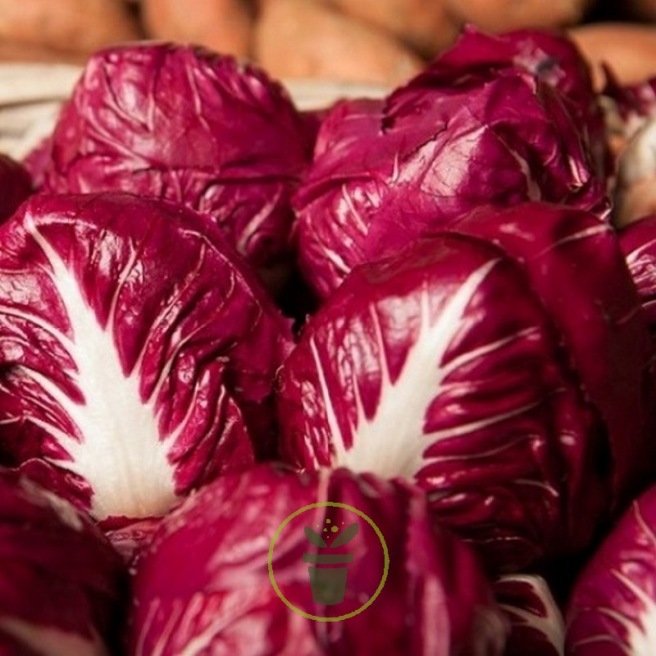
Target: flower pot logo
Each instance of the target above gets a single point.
(332, 541)
(329, 566)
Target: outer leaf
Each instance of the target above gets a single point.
(613, 608)
(449, 141)
(186, 125)
(136, 354)
(537, 625)
(471, 364)
(62, 584)
(551, 57)
(436, 600)
(576, 267)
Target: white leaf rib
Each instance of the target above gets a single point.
(51, 389)
(647, 530)
(474, 426)
(164, 635)
(43, 324)
(586, 233)
(61, 436)
(393, 441)
(506, 446)
(121, 453)
(635, 255)
(552, 624)
(122, 279)
(353, 210)
(487, 349)
(164, 314)
(640, 638)
(168, 365)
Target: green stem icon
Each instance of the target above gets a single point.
(345, 536)
(314, 538)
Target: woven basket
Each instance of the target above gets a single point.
(31, 94)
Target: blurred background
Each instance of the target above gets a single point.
(375, 41)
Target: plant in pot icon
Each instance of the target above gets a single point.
(329, 570)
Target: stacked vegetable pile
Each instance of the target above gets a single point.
(436, 308)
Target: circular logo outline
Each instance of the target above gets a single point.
(328, 504)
